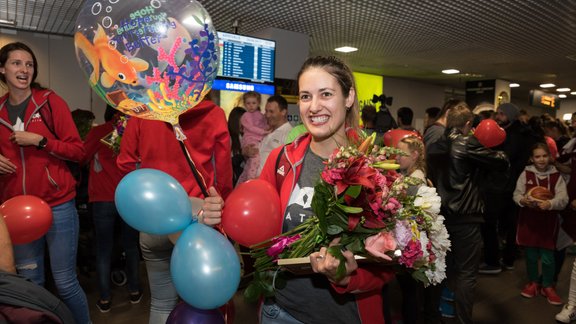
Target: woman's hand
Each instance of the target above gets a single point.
(325, 263)
(24, 138)
(211, 212)
(6, 167)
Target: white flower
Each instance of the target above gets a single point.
(440, 239)
(428, 199)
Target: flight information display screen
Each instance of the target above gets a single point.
(246, 58)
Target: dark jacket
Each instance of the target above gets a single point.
(457, 165)
(519, 140)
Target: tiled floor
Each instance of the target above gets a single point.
(498, 300)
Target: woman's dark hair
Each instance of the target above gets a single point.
(109, 113)
(18, 46)
(234, 128)
(535, 124)
(368, 114)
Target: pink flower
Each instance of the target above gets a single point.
(411, 254)
(280, 243)
(379, 244)
(392, 205)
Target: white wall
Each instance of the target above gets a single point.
(566, 107)
(418, 96)
(58, 69)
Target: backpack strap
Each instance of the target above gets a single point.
(47, 119)
(281, 168)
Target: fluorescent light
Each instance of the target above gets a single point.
(7, 22)
(566, 116)
(547, 85)
(563, 89)
(562, 96)
(573, 93)
(450, 71)
(346, 49)
(514, 85)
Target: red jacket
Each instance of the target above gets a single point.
(154, 144)
(104, 173)
(42, 173)
(365, 283)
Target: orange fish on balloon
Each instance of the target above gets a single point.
(115, 66)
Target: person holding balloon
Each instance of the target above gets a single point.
(38, 136)
(102, 182)
(152, 144)
(329, 109)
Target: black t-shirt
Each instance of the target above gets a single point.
(16, 113)
(310, 299)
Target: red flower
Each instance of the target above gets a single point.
(411, 254)
(358, 172)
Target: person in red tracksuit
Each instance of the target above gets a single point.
(153, 144)
(328, 105)
(37, 137)
(103, 179)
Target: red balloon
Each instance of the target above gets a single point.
(393, 136)
(552, 147)
(489, 133)
(252, 213)
(27, 218)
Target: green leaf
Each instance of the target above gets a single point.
(253, 292)
(334, 229)
(353, 191)
(356, 246)
(419, 275)
(336, 251)
(350, 209)
(320, 202)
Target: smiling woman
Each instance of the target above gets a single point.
(42, 136)
(329, 111)
(328, 102)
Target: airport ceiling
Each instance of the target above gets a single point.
(525, 41)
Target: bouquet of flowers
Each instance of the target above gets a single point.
(364, 201)
(114, 138)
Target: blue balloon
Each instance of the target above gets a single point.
(153, 202)
(205, 267)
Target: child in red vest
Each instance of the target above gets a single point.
(541, 194)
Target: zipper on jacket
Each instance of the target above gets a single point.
(52, 181)
(23, 171)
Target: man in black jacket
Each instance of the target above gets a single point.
(458, 164)
(501, 211)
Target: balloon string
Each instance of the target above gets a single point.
(181, 137)
(197, 176)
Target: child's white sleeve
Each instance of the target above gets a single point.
(560, 199)
(520, 189)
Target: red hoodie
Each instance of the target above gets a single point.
(42, 173)
(104, 173)
(154, 144)
(367, 281)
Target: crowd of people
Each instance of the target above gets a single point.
(486, 192)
